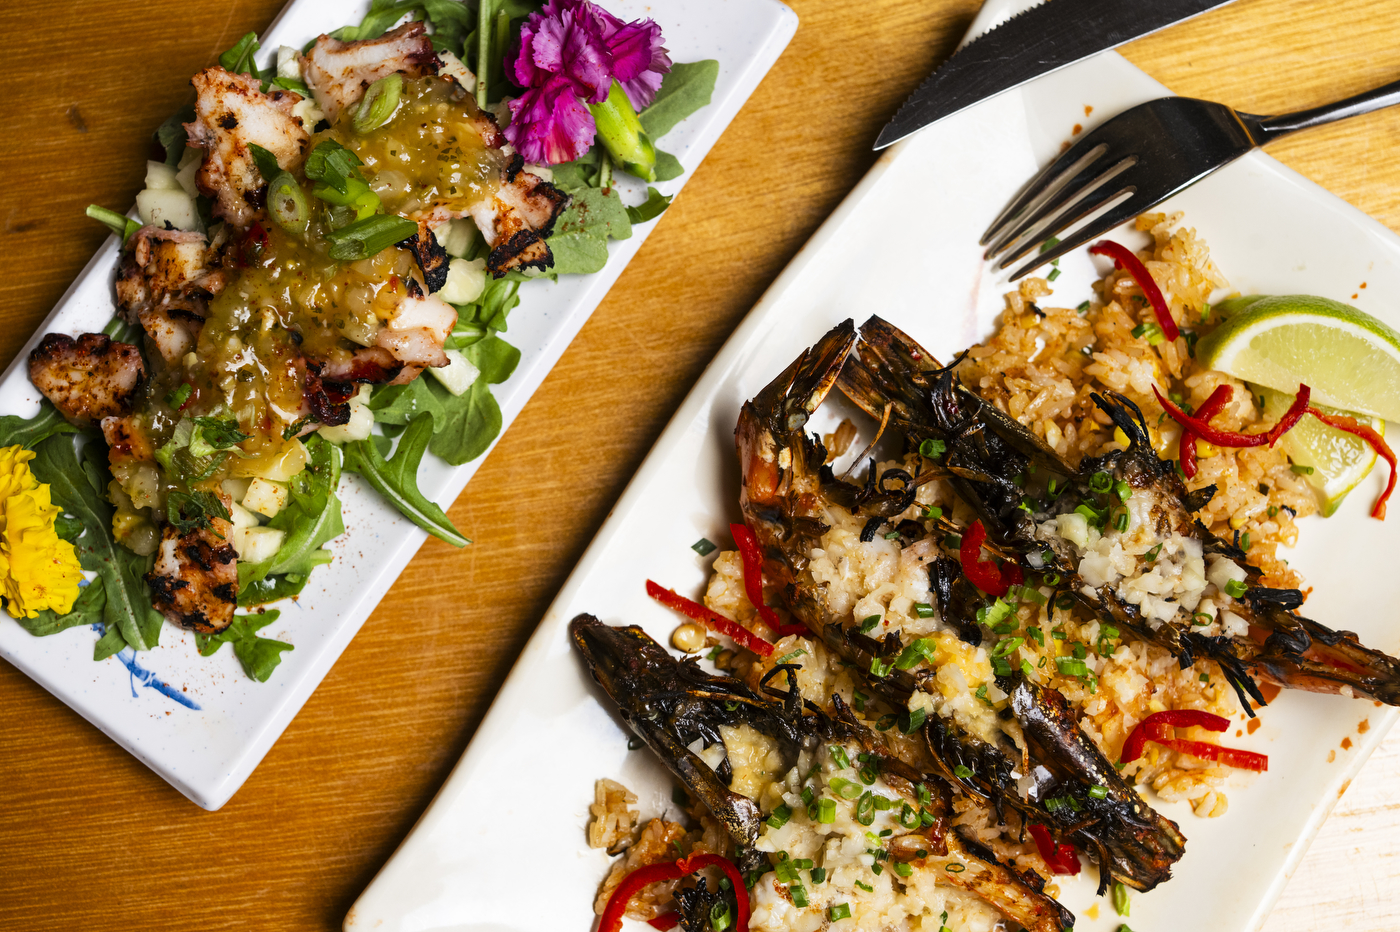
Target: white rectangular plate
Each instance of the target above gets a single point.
(904, 244)
(207, 742)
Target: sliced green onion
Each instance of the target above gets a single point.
(932, 449)
(923, 610)
(1201, 619)
(865, 808)
(1235, 589)
(1120, 523)
(1100, 482)
(846, 789)
(779, 817)
(839, 911)
(838, 756)
(121, 225)
(789, 657)
(818, 874)
(1205, 678)
(1098, 792)
(859, 699)
(1151, 555)
(964, 773)
(1083, 308)
(868, 623)
(922, 649)
(902, 869)
(287, 204)
(880, 668)
(882, 804)
(892, 535)
(1072, 666)
(826, 814)
(369, 237)
(982, 694)
(798, 894)
(179, 395)
(379, 103)
(1121, 904)
(1049, 244)
(1122, 490)
(955, 868)
(1300, 470)
(1244, 541)
(1054, 274)
(933, 512)
(704, 547)
(912, 721)
(1153, 333)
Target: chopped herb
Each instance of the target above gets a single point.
(1098, 792)
(865, 886)
(296, 426)
(179, 395)
(982, 694)
(923, 610)
(1235, 589)
(818, 874)
(838, 756)
(190, 511)
(1151, 555)
(880, 668)
(932, 449)
(908, 816)
(924, 795)
(1036, 635)
(1121, 904)
(1072, 666)
(1054, 274)
(798, 894)
(839, 911)
(846, 789)
(1301, 470)
(963, 772)
(869, 772)
(1058, 635)
(1083, 308)
(922, 649)
(1273, 511)
(902, 869)
(865, 808)
(1092, 514)
(912, 720)
(704, 547)
(1100, 482)
(1079, 651)
(868, 623)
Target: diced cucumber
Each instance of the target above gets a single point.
(159, 206)
(458, 375)
(466, 279)
(160, 177)
(264, 497)
(257, 544)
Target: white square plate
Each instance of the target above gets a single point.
(904, 244)
(201, 723)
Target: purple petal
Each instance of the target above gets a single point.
(550, 124)
(564, 39)
(639, 59)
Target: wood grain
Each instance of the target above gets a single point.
(90, 839)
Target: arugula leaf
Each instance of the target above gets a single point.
(259, 655)
(473, 419)
(651, 208)
(87, 610)
(310, 518)
(273, 588)
(397, 478)
(687, 87)
(580, 240)
(486, 315)
(79, 488)
(239, 59)
(28, 432)
(110, 643)
(190, 511)
(266, 161)
(576, 175)
(171, 134)
(382, 15)
(668, 166)
(399, 404)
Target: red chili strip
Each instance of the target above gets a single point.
(788, 630)
(715, 622)
(752, 556)
(1158, 727)
(1229, 438)
(1365, 432)
(1060, 858)
(1213, 405)
(643, 877)
(1123, 258)
(666, 921)
(984, 574)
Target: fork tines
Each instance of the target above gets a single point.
(1070, 190)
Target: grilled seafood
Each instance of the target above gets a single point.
(673, 704)
(88, 379)
(1163, 598)
(787, 493)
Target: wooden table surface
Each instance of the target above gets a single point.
(90, 839)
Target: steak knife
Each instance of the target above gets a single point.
(1042, 39)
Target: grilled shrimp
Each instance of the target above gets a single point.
(1158, 576)
(786, 496)
(194, 582)
(339, 72)
(87, 379)
(672, 705)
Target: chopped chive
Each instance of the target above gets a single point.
(1036, 635)
(1301, 470)
(868, 623)
(180, 395)
(1235, 589)
(963, 773)
(818, 874)
(1098, 792)
(932, 449)
(955, 868)
(865, 886)
(1120, 523)
(1244, 541)
(1083, 308)
(780, 817)
(902, 869)
(1026, 667)
(704, 547)
(933, 512)
(1049, 244)
(839, 911)
(1054, 274)
(838, 755)
(923, 610)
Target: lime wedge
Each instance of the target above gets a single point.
(1338, 460)
(1348, 358)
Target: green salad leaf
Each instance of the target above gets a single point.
(397, 478)
(239, 59)
(259, 655)
(28, 432)
(651, 208)
(687, 87)
(580, 238)
(171, 134)
(79, 488)
(310, 519)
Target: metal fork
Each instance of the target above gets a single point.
(1138, 159)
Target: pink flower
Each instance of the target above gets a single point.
(570, 53)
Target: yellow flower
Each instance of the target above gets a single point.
(37, 569)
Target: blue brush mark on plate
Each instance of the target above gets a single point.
(128, 658)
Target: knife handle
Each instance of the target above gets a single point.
(1266, 129)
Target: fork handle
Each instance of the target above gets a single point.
(1267, 129)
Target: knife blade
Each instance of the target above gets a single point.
(1035, 42)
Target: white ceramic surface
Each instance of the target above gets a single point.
(208, 740)
(502, 846)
